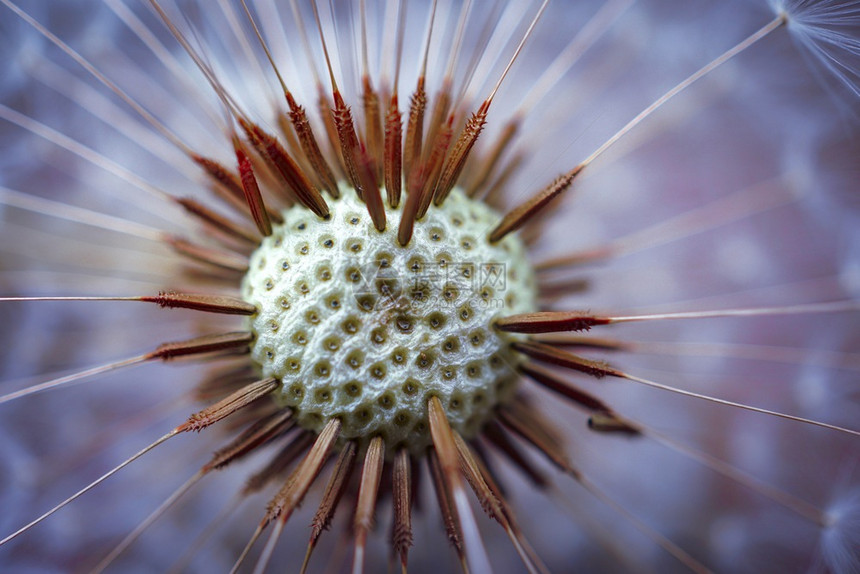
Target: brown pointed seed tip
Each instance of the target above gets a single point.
(206, 303)
(257, 434)
(550, 322)
(334, 490)
(520, 215)
(490, 498)
(311, 148)
(445, 447)
(348, 140)
(449, 519)
(228, 405)
(575, 259)
(460, 153)
(372, 124)
(251, 190)
(292, 493)
(550, 449)
(548, 379)
(200, 345)
(270, 148)
(393, 159)
(414, 129)
(336, 486)
(372, 195)
(469, 467)
(401, 536)
(220, 174)
(368, 488)
(549, 354)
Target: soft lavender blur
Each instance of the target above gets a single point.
(772, 117)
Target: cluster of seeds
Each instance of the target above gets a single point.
(357, 327)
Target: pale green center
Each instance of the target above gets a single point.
(357, 327)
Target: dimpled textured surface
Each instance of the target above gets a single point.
(357, 327)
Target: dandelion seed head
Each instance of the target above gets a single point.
(356, 326)
(718, 137)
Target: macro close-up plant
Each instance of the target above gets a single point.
(291, 285)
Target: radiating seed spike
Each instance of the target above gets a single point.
(452, 527)
(446, 449)
(460, 153)
(372, 126)
(251, 190)
(737, 405)
(238, 204)
(207, 255)
(371, 474)
(269, 549)
(408, 217)
(200, 345)
(89, 487)
(551, 381)
(534, 560)
(296, 149)
(372, 194)
(326, 113)
(336, 486)
(72, 378)
(536, 436)
(310, 146)
(414, 130)
(254, 436)
(393, 153)
(228, 405)
(434, 165)
(349, 145)
(489, 499)
(550, 322)
(270, 148)
(401, 537)
(574, 260)
(220, 175)
(292, 493)
(518, 217)
(549, 354)
(207, 303)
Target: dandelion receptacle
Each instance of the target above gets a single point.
(429, 286)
